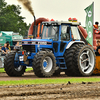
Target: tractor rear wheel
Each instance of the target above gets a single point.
(57, 71)
(84, 61)
(68, 55)
(80, 60)
(44, 64)
(9, 67)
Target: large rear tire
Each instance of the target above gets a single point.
(9, 65)
(44, 64)
(84, 61)
(80, 60)
(57, 71)
(68, 55)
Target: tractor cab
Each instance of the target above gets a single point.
(62, 35)
(60, 30)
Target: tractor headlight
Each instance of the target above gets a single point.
(28, 53)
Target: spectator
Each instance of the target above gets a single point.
(0, 50)
(8, 46)
(98, 47)
(16, 48)
(4, 49)
(1, 57)
(17, 44)
(96, 25)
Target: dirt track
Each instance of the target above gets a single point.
(87, 91)
(30, 75)
(68, 91)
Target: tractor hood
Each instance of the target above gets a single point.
(42, 43)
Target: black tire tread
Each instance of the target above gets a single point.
(37, 64)
(9, 65)
(69, 56)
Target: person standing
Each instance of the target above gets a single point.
(8, 46)
(4, 52)
(1, 58)
(96, 25)
(98, 47)
(17, 44)
(0, 50)
(4, 49)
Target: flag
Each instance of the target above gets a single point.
(89, 23)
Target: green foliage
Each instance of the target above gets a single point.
(2, 3)
(10, 19)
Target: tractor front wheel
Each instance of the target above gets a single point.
(44, 64)
(9, 65)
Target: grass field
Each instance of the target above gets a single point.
(49, 81)
(2, 70)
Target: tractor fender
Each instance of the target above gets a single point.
(74, 42)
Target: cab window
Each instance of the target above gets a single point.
(65, 33)
(75, 33)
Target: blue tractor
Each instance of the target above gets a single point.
(61, 48)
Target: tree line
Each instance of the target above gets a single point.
(10, 19)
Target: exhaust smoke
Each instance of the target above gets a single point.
(27, 5)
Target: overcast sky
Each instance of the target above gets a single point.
(60, 9)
